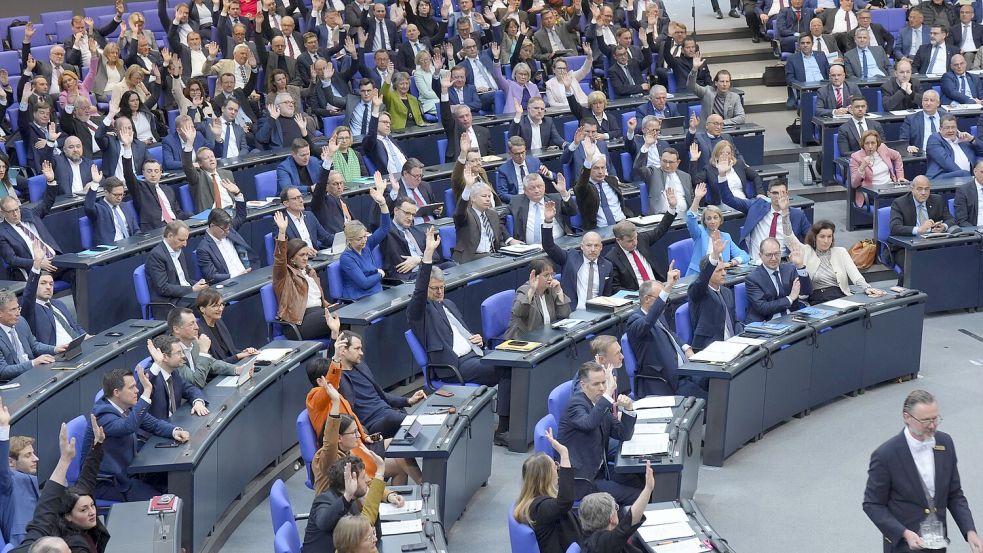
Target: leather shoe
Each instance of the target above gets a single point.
(755, 39)
(501, 438)
(719, 15)
(734, 14)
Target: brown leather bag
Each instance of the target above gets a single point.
(864, 253)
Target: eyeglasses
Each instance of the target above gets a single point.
(11, 211)
(352, 433)
(411, 213)
(416, 174)
(293, 198)
(771, 255)
(925, 422)
(436, 288)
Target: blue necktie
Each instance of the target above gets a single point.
(228, 135)
(120, 222)
(864, 54)
(537, 224)
(608, 214)
(935, 55)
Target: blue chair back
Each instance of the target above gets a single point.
(630, 362)
(643, 196)
(499, 101)
(11, 62)
(448, 239)
(330, 123)
(574, 548)
(85, 231)
(521, 536)
(270, 307)
(266, 185)
(184, 196)
(740, 301)
(308, 444)
(540, 443)
(952, 206)
(35, 187)
(334, 280)
(142, 290)
(684, 326)
(883, 231)
(569, 128)
(558, 399)
(156, 152)
(450, 206)
(681, 251)
(280, 509)
(270, 247)
(76, 429)
(441, 150)
(496, 312)
(626, 162)
(287, 540)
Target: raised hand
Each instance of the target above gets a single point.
(433, 240)
(48, 171)
(155, 353)
(333, 322)
(694, 123)
(280, 219)
(560, 183)
(465, 144)
(560, 449)
(66, 446)
(148, 387)
(796, 290)
(697, 61)
(518, 107)
(495, 50)
(231, 187)
(351, 483)
(795, 256)
(165, 56)
(699, 193)
(212, 49)
(694, 151)
(718, 246)
(670, 197)
(28, 32)
(4, 415)
(672, 275)
(376, 101)
(549, 213)
(273, 110)
(98, 434)
(632, 123)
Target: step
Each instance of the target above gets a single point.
(721, 52)
(744, 74)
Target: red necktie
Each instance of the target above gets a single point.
(774, 225)
(420, 203)
(164, 211)
(641, 267)
(290, 47)
(839, 97)
(216, 191)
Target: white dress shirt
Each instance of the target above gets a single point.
(582, 277)
(182, 279)
(634, 266)
(736, 185)
(959, 156)
(230, 255)
(462, 343)
(924, 456)
(226, 198)
(162, 198)
(842, 17)
(62, 336)
(313, 292)
(556, 229)
(762, 230)
(302, 231)
(77, 184)
(968, 44)
(536, 139)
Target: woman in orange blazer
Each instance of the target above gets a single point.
(873, 164)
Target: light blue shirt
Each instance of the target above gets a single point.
(926, 121)
(813, 74)
(872, 69)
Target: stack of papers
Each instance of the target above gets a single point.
(402, 527)
(651, 428)
(692, 545)
(645, 220)
(272, 356)
(425, 420)
(663, 532)
(746, 340)
(520, 249)
(669, 531)
(656, 517)
(652, 402)
(646, 444)
(720, 352)
(841, 304)
(650, 414)
(388, 509)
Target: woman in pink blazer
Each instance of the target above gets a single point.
(872, 165)
(521, 81)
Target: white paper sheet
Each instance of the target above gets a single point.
(692, 545)
(719, 352)
(425, 420)
(650, 428)
(652, 402)
(655, 517)
(646, 444)
(746, 340)
(664, 532)
(388, 509)
(272, 355)
(841, 304)
(402, 527)
(649, 414)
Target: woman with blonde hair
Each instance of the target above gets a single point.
(428, 68)
(355, 534)
(133, 82)
(725, 168)
(703, 229)
(71, 88)
(108, 68)
(873, 164)
(556, 90)
(546, 499)
(360, 276)
(346, 160)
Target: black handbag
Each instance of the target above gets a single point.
(795, 130)
(774, 75)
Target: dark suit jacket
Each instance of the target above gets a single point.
(242, 97)
(519, 207)
(623, 275)
(162, 276)
(405, 59)
(826, 98)
(707, 314)
(145, 201)
(507, 183)
(13, 250)
(589, 201)
(648, 109)
(849, 139)
(200, 183)
(585, 429)
(110, 147)
(548, 134)
(184, 392)
(706, 144)
(63, 173)
(394, 247)
(941, 160)
(73, 127)
(795, 68)
(623, 86)
(468, 228)
(453, 131)
(568, 262)
(470, 97)
(210, 260)
(924, 57)
(305, 62)
(325, 207)
(786, 24)
(288, 174)
(370, 25)
(319, 236)
(895, 499)
(655, 353)
(763, 300)
(895, 98)
(904, 219)
(903, 45)
(120, 446)
(756, 208)
(429, 322)
(10, 366)
(221, 149)
(913, 129)
(270, 133)
(967, 205)
(881, 36)
(956, 35)
(100, 216)
(375, 151)
(172, 150)
(40, 318)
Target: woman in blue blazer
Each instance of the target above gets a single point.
(360, 276)
(701, 229)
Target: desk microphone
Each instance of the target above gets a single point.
(217, 418)
(43, 387)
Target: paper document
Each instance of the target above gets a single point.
(904, 111)
(521, 248)
(425, 420)
(873, 116)
(647, 219)
(841, 304)
(650, 414)
(567, 324)
(402, 527)
(964, 106)
(842, 116)
(651, 428)
(272, 355)
(656, 401)
(646, 444)
(691, 545)
(664, 532)
(388, 509)
(229, 382)
(746, 340)
(664, 516)
(720, 352)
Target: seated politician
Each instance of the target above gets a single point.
(711, 304)
(50, 319)
(659, 351)
(402, 248)
(511, 174)
(703, 228)
(168, 271)
(775, 288)
(360, 276)
(24, 225)
(351, 491)
(210, 306)
(19, 349)
(19, 490)
(297, 286)
(109, 218)
(539, 302)
(198, 367)
(223, 253)
(918, 212)
(606, 526)
(951, 153)
(918, 127)
(874, 164)
(303, 224)
(585, 274)
(170, 390)
(122, 412)
(529, 207)
(157, 204)
(439, 326)
(599, 195)
(724, 167)
(327, 203)
(480, 230)
(469, 161)
(967, 203)
(587, 426)
(761, 217)
(633, 259)
(297, 170)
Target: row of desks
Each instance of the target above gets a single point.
(948, 269)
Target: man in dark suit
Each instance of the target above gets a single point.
(967, 36)
(38, 132)
(170, 391)
(480, 230)
(959, 86)
(173, 144)
(512, 174)
(599, 195)
(462, 92)
(626, 75)
(283, 124)
(331, 93)
(902, 91)
(839, 20)
(774, 288)
(933, 58)
(381, 71)
(118, 145)
(866, 61)
(22, 226)
(912, 36)
(918, 127)
(646, 148)
(229, 31)
(791, 24)
(156, 204)
(167, 269)
(52, 69)
(312, 52)
(530, 208)
(84, 122)
(457, 121)
(380, 31)
(708, 138)
(406, 54)
(226, 90)
(851, 131)
(232, 140)
(916, 213)
(633, 258)
(657, 106)
(805, 65)
(967, 202)
(412, 185)
(19, 349)
(450, 346)
(277, 57)
(951, 152)
(834, 97)
(877, 34)
(378, 145)
(122, 412)
(402, 249)
(50, 320)
(587, 427)
(73, 171)
(546, 134)
(900, 500)
(303, 224)
(596, 279)
(327, 203)
(109, 218)
(658, 350)
(296, 169)
(358, 110)
(711, 304)
(19, 492)
(210, 186)
(223, 253)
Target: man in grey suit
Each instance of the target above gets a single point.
(865, 61)
(823, 42)
(718, 98)
(529, 208)
(198, 367)
(479, 228)
(19, 350)
(666, 176)
(553, 37)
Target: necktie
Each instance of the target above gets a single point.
(675, 51)
(18, 347)
(631, 81)
(62, 320)
(526, 96)
(680, 354)
(640, 265)
(411, 243)
(590, 279)
(383, 39)
(846, 16)
(522, 175)
(931, 63)
(778, 281)
(922, 214)
(228, 135)
(344, 210)
(728, 322)
(120, 222)
(216, 191)
(718, 105)
(314, 58)
(962, 85)
(798, 17)
(420, 203)
(863, 54)
(394, 155)
(861, 128)
(931, 119)
(537, 223)
(774, 225)
(164, 212)
(290, 47)
(171, 400)
(605, 208)
(360, 122)
(459, 326)
(242, 71)
(32, 237)
(487, 229)
(839, 97)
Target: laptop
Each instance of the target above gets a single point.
(74, 350)
(673, 123)
(338, 245)
(409, 434)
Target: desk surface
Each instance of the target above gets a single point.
(684, 414)
(132, 529)
(432, 535)
(919, 243)
(435, 441)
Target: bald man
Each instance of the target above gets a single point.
(72, 169)
(585, 274)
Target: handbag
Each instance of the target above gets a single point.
(795, 130)
(774, 75)
(863, 253)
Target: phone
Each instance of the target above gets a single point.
(414, 547)
(166, 444)
(518, 343)
(444, 393)
(377, 437)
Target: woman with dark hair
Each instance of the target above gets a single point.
(67, 512)
(546, 499)
(193, 99)
(210, 306)
(420, 13)
(297, 285)
(831, 269)
(278, 81)
(539, 302)
(872, 165)
(144, 121)
(10, 186)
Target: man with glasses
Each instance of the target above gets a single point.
(359, 108)
(402, 249)
(327, 203)
(599, 195)
(284, 124)
(762, 218)
(198, 367)
(529, 209)
(378, 144)
(169, 389)
(633, 258)
(646, 150)
(479, 68)
(708, 138)
(303, 224)
(297, 170)
(513, 173)
(775, 288)
(951, 152)
(536, 129)
(23, 227)
(457, 120)
(109, 218)
(411, 185)
(156, 204)
(913, 480)
(19, 349)
(657, 104)
(918, 212)
(223, 253)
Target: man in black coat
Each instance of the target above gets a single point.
(918, 212)
(402, 249)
